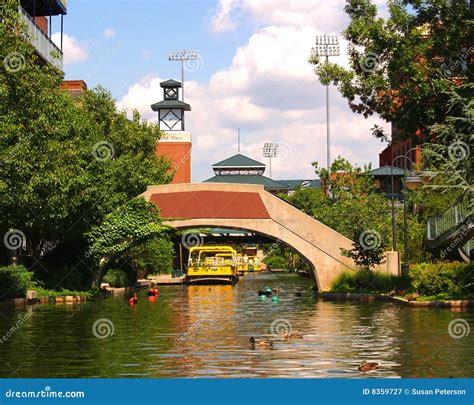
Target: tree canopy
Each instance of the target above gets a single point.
(402, 67)
(359, 212)
(65, 164)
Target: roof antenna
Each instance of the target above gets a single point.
(238, 139)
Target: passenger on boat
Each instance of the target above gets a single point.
(153, 292)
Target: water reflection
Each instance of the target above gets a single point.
(204, 331)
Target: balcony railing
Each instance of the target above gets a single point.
(42, 43)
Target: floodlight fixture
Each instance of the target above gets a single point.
(183, 56)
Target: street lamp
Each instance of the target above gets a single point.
(327, 45)
(270, 150)
(182, 56)
(410, 182)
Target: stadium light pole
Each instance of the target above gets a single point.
(270, 150)
(183, 56)
(327, 45)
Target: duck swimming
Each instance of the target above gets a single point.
(264, 292)
(260, 343)
(292, 335)
(364, 367)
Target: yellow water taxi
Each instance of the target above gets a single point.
(251, 261)
(212, 265)
(239, 261)
(240, 265)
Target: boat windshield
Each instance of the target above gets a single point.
(213, 257)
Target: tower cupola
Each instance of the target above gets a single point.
(171, 109)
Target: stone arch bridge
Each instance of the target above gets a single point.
(250, 207)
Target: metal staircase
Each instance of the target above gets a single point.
(450, 235)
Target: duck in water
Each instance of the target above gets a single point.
(292, 335)
(260, 343)
(364, 367)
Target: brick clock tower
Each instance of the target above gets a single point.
(176, 142)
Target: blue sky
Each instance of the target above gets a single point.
(253, 74)
(144, 26)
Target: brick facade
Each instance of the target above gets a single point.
(180, 155)
(42, 23)
(74, 87)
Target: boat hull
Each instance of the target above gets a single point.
(210, 280)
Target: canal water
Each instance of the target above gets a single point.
(204, 331)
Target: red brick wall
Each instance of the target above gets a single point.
(210, 204)
(400, 148)
(42, 22)
(180, 155)
(73, 85)
(385, 157)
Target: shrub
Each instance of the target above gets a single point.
(154, 256)
(276, 262)
(368, 281)
(116, 278)
(447, 278)
(52, 294)
(54, 276)
(14, 282)
(367, 248)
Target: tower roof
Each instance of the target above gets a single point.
(170, 83)
(170, 104)
(267, 183)
(238, 161)
(386, 171)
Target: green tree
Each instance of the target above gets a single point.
(367, 249)
(402, 67)
(152, 257)
(65, 164)
(133, 223)
(344, 178)
(355, 208)
(451, 156)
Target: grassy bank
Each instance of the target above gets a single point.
(15, 281)
(443, 281)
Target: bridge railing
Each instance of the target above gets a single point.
(448, 220)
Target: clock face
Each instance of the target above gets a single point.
(170, 120)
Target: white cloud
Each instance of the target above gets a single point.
(73, 51)
(221, 20)
(270, 92)
(328, 15)
(278, 13)
(141, 96)
(109, 33)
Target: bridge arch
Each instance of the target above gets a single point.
(182, 226)
(250, 207)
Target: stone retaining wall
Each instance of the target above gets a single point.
(387, 298)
